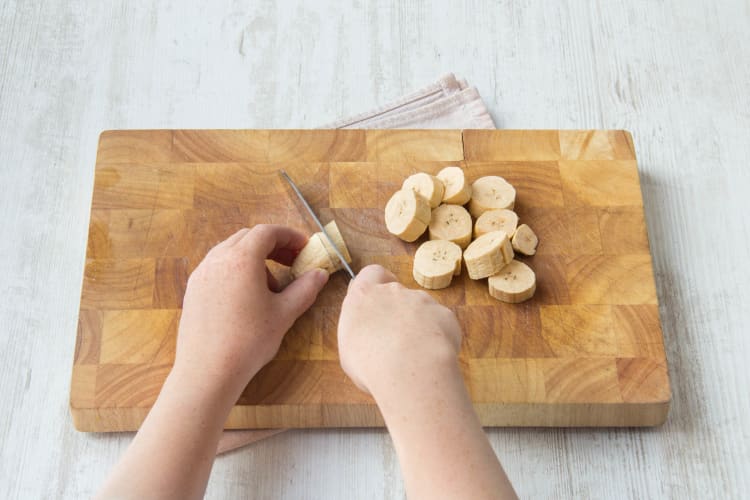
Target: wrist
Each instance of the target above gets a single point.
(218, 370)
(206, 386)
(423, 382)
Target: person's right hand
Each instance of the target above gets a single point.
(389, 335)
(402, 347)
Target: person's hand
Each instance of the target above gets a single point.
(234, 316)
(390, 335)
(402, 347)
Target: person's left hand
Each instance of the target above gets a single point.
(234, 316)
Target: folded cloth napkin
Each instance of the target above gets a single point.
(447, 103)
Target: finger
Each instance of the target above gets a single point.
(234, 238)
(300, 294)
(374, 274)
(231, 240)
(265, 241)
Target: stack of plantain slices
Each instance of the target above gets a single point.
(487, 246)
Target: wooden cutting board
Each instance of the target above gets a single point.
(587, 350)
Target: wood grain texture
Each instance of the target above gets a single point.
(518, 145)
(138, 262)
(668, 71)
(404, 145)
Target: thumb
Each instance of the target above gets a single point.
(300, 294)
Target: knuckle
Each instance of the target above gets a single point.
(376, 273)
(373, 270)
(261, 230)
(370, 268)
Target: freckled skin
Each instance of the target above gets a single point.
(232, 323)
(408, 360)
(398, 344)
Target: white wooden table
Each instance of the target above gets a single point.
(675, 73)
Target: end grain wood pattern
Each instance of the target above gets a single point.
(587, 350)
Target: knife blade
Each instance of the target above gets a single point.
(318, 223)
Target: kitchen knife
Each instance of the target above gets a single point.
(317, 221)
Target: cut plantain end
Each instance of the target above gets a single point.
(435, 264)
(313, 255)
(407, 215)
(333, 231)
(318, 252)
(514, 283)
(524, 240)
(457, 188)
(452, 223)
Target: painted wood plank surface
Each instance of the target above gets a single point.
(671, 72)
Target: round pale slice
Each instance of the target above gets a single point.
(524, 240)
(457, 188)
(490, 193)
(428, 186)
(452, 223)
(496, 220)
(488, 254)
(407, 215)
(514, 283)
(435, 264)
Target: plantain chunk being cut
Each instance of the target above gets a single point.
(333, 231)
(496, 220)
(488, 254)
(514, 283)
(318, 252)
(490, 193)
(457, 188)
(524, 240)
(407, 215)
(435, 264)
(427, 186)
(452, 223)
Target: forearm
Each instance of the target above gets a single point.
(172, 453)
(440, 443)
